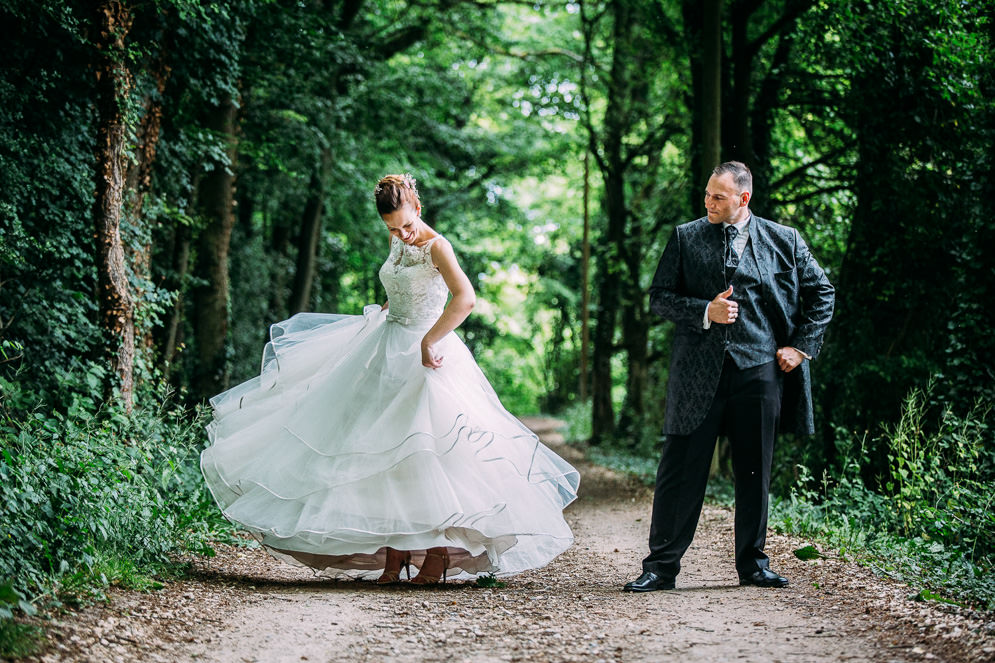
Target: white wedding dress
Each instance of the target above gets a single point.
(345, 444)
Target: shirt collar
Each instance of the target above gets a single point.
(741, 226)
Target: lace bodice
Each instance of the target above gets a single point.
(415, 289)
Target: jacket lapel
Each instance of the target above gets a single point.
(761, 246)
(712, 259)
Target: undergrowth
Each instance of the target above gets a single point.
(931, 524)
(93, 498)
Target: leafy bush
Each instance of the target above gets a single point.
(578, 419)
(934, 527)
(16, 639)
(90, 498)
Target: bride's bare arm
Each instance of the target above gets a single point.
(459, 306)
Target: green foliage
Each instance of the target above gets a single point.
(880, 151)
(934, 527)
(578, 419)
(89, 498)
(10, 599)
(941, 480)
(16, 639)
(921, 176)
(807, 553)
(46, 146)
(488, 581)
(926, 595)
(19, 640)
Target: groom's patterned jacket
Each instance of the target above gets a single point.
(795, 295)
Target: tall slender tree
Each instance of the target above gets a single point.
(113, 20)
(760, 44)
(711, 88)
(215, 205)
(625, 139)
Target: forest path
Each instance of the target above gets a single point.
(243, 607)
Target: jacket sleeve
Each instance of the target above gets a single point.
(817, 298)
(667, 298)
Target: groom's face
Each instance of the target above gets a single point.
(724, 202)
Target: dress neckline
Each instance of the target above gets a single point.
(428, 242)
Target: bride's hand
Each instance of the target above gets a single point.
(428, 356)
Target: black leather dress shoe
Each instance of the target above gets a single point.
(764, 578)
(649, 582)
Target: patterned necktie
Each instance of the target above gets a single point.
(732, 257)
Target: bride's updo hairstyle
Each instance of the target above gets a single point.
(394, 191)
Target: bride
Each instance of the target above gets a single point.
(374, 441)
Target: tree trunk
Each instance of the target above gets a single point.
(307, 243)
(246, 208)
(139, 177)
(748, 117)
(619, 291)
(585, 280)
(215, 204)
(602, 410)
(610, 268)
(762, 123)
(116, 306)
(711, 90)
(739, 141)
(139, 181)
(170, 339)
(611, 271)
(632, 135)
(635, 337)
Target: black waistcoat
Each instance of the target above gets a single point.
(749, 340)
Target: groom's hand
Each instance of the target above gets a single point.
(723, 310)
(788, 359)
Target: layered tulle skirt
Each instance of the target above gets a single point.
(345, 445)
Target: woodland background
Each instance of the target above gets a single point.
(176, 175)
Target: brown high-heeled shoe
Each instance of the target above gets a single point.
(392, 566)
(427, 576)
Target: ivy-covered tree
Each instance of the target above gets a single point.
(48, 131)
(912, 279)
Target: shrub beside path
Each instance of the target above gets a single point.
(242, 607)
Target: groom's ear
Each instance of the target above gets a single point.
(744, 198)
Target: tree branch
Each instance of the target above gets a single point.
(400, 40)
(653, 142)
(522, 55)
(350, 9)
(791, 13)
(809, 195)
(802, 169)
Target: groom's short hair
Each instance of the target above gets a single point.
(740, 172)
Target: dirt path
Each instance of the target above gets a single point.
(244, 607)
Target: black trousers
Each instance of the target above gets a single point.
(746, 407)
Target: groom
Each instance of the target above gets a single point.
(750, 305)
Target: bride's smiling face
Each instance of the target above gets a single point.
(404, 223)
